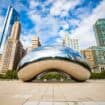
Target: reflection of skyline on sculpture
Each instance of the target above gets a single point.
(48, 58)
(51, 51)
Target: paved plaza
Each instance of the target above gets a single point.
(15, 92)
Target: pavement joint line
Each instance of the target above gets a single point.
(25, 101)
(81, 93)
(63, 95)
(36, 101)
(52, 94)
(41, 98)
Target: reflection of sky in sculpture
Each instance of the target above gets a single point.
(50, 52)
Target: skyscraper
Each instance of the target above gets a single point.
(89, 56)
(96, 57)
(35, 43)
(11, 17)
(13, 50)
(71, 42)
(99, 28)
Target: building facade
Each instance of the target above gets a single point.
(89, 56)
(99, 28)
(13, 50)
(11, 17)
(35, 43)
(96, 58)
(100, 58)
(71, 42)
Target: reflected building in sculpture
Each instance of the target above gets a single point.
(11, 17)
(49, 58)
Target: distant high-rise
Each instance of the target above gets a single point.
(89, 56)
(96, 57)
(71, 42)
(99, 28)
(35, 43)
(13, 50)
(11, 17)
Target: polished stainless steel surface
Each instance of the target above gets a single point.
(61, 58)
(52, 52)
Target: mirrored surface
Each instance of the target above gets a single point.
(52, 52)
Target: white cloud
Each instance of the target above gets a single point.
(84, 32)
(20, 7)
(65, 26)
(44, 27)
(32, 4)
(74, 21)
(61, 7)
(48, 27)
(62, 33)
(26, 40)
(5, 4)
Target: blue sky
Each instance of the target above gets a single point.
(52, 19)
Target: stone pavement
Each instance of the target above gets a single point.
(14, 92)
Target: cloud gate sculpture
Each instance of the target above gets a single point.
(60, 58)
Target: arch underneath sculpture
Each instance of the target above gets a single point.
(31, 70)
(51, 75)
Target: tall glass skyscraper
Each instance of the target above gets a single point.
(11, 17)
(99, 28)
